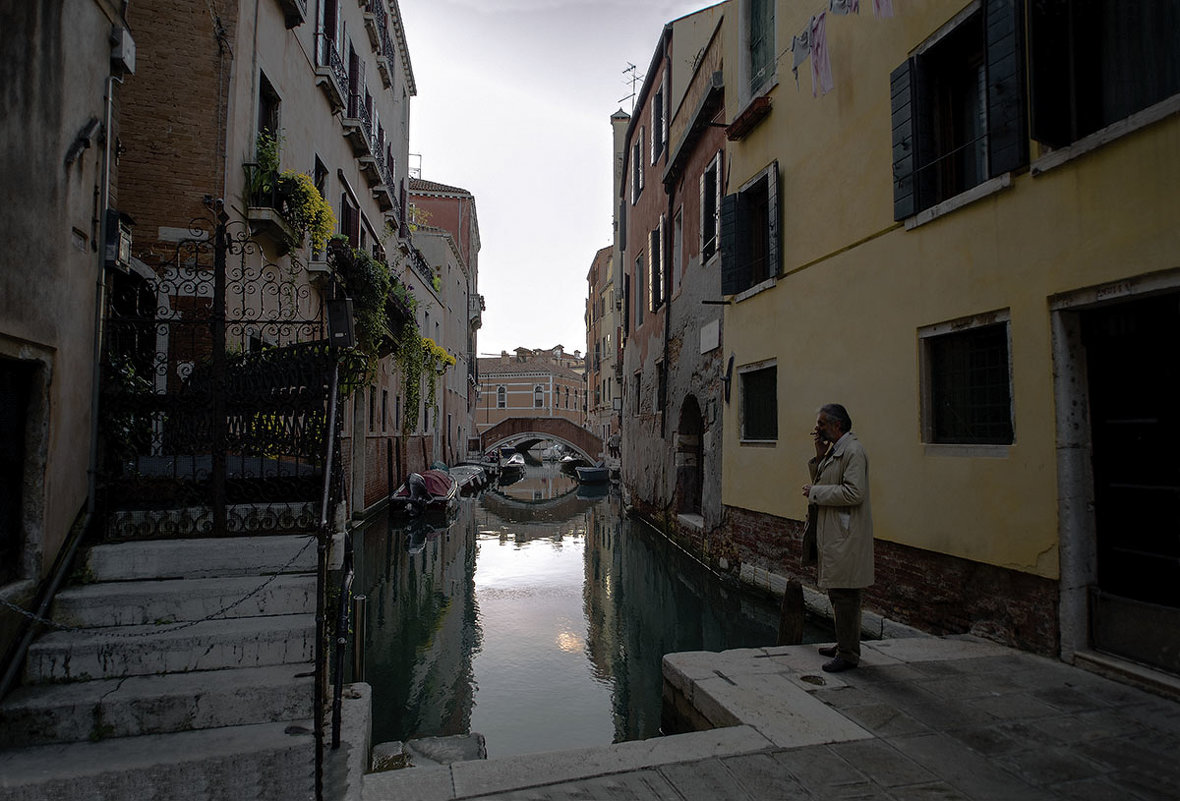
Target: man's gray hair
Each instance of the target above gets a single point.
(835, 411)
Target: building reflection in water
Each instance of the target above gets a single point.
(541, 625)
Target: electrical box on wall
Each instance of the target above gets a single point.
(122, 51)
(118, 240)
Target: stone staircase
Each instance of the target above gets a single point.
(185, 673)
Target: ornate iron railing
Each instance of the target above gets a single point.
(328, 55)
(215, 393)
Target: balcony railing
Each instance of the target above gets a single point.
(358, 124)
(331, 73)
(418, 262)
(266, 206)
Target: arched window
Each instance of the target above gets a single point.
(539, 396)
(501, 397)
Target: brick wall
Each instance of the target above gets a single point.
(931, 591)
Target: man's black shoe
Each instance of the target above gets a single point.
(827, 650)
(838, 665)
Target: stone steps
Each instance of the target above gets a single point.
(125, 703)
(139, 705)
(263, 761)
(140, 650)
(201, 558)
(138, 603)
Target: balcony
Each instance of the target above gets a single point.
(357, 123)
(386, 57)
(384, 188)
(330, 74)
(294, 12)
(476, 308)
(374, 16)
(266, 207)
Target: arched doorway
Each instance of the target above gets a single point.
(689, 458)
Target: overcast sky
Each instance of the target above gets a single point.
(514, 104)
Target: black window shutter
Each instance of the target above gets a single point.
(735, 256)
(901, 99)
(1006, 126)
(1049, 72)
(774, 249)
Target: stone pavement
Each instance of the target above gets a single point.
(922, 718)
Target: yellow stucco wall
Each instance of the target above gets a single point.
(843, 318)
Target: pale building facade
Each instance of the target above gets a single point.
(990, 287)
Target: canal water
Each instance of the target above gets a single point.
(538, 617)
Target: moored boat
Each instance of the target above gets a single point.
(597, 474)
(429, 491)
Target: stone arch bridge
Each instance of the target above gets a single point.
(524, 432)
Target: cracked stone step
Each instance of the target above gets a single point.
(136, 603)
(200, 558)
(143, 650)
(140, 705)
(267, 761)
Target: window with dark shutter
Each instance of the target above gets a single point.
(711, 209)
(750, 241)
(958, 110)
(1097, 62)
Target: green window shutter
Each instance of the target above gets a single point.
(735, 256)
(901, 99)
(1006, 124)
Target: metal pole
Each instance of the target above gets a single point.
(323, 538)
(217, 474)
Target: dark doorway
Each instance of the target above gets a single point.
(1134, 384)
(689, 461)
(15, 390)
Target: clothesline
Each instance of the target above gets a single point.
(814, 37)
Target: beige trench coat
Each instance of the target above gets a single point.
(844, 521)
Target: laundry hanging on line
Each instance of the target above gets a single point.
(821, 64)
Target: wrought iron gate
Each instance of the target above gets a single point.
(214, 409)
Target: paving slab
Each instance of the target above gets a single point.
(951, 719)
(780, 710)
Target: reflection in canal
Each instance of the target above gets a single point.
(538, 617)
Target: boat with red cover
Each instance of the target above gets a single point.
(433, 491)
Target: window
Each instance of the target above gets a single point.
(749, 233)
(967, 395)
(384, 410)
(637, 167)
(1095, 63)
(567, 397)
(350, 220)
(711, 209)
(958, 108)
(639, 293)
(397, 412)
(638, 383)
(659, 125)
(656, 266)
(372, 408)
(759, 51)
(759, 387)
(268, 106)
(677, 266)
(539, 397)
(661, 385)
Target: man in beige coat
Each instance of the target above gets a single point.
(838, 504)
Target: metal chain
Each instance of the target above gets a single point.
(165, 627)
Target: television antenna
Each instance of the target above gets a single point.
(634, 80)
